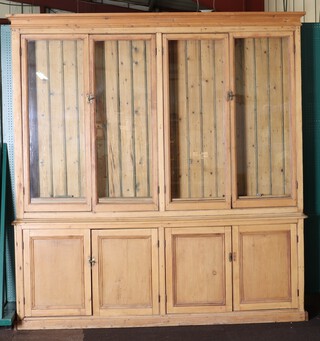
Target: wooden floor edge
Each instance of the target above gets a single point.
(162, 321)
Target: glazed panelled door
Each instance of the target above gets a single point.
(265, 266)
(198, 270)
(125, 122)
(54, 79)
(125, 275)
(57, 275)
(264, 133)
(197, 121)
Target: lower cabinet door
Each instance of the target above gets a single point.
(125, 275)
(57, 277)
(265, 267)
(198, 273)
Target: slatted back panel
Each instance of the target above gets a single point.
(197, 89)
(263, 83)
(123, 88)
(56, 118)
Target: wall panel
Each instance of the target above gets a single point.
(311, 7)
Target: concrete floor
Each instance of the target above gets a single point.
(300, 331)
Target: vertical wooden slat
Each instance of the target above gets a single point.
(174, 112)
(286, 134)
(126, 119)
(81, 118)
(249, 97)
(141, 113)
(57, 119)
(210, 113)
(43, 113)
(276, 116)
(263, 115)
(195, 119)
(220, 115)
(100, 117)
(182, 119)
(112, 123)
(240, 117)
(71, 113)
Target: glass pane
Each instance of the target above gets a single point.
(263, 117)
(123, 118)
(56, 119)
(197, 94)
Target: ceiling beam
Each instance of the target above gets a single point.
(77, 6)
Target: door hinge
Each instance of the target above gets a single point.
(158, 244)
(159, 298)
(158, 189)
(297, 184)
(230, 95)
(298, 292)
(297, 239)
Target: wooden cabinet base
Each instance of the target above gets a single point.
(268, 316)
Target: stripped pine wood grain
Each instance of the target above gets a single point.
(287, 80)
(81, 119)
(194, 117)
(126, 119)
(276, 116)
(71, 113)
(264, 137)
(248, 139)
(44, 128)
(124, 141)
(263, 115)
(58, 128)
(198, 130)
(60, 116)
(210, 116)
(182, 119)
(220, 113)
(141, 81)
(112, 156)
